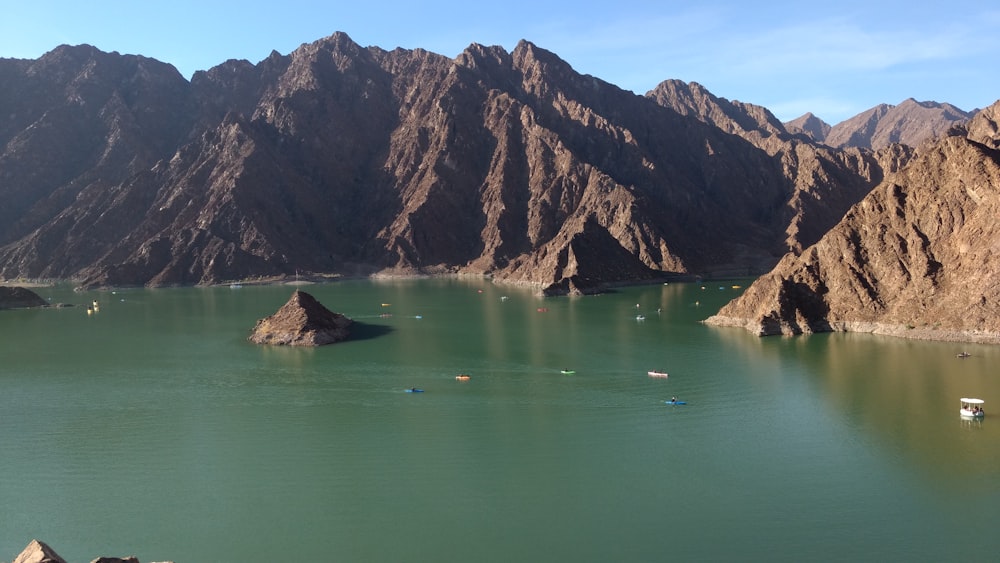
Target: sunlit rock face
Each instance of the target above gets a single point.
(302, 321)
(918, 257)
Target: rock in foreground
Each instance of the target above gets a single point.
(38, 552)
(302, 321)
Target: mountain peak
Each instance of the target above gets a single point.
(809, 125)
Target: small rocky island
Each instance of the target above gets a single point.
(302, 321)
(19, 298)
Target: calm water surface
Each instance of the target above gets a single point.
(153, 428)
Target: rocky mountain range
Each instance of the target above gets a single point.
(343, 160)
(917, 257)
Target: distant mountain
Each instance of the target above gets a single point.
(916, 258)
(809, 125)
(909, 123)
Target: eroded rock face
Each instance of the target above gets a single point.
(302, 321)
(918, 257)
(19, 297)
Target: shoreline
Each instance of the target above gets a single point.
(865, 327)
(390, 274)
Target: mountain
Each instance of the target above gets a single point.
(910, 123)
(342, 160)
(918, 257)
(809, 125)
(824, 182)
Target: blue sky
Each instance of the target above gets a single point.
(833, 59)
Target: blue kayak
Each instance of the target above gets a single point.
(414, 390)
(675, 402)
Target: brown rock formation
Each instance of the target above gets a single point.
(820, 183)
(302, 321)
(918, 257)
(38, 552)
(19, 298)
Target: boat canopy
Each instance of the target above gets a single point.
(973, 401)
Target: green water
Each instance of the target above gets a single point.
(153, 428)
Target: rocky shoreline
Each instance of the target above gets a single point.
(883, 329)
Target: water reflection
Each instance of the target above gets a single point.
(904, 394)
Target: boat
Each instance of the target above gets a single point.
(414, 390)
(640, 317)
(463, 377)
(962, 355)
(657, 374)
(567, 371)
(674, 402)
(972, 408)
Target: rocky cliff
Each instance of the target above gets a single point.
(340, 159)
(918, 257)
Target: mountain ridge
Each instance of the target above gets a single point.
(338, 159)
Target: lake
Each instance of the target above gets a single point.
(153, 428)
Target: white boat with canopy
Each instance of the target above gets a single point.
(972, 408)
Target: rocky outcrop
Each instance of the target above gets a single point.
(19, 298)
(302, 321)
(39, 552)
(918, 257)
